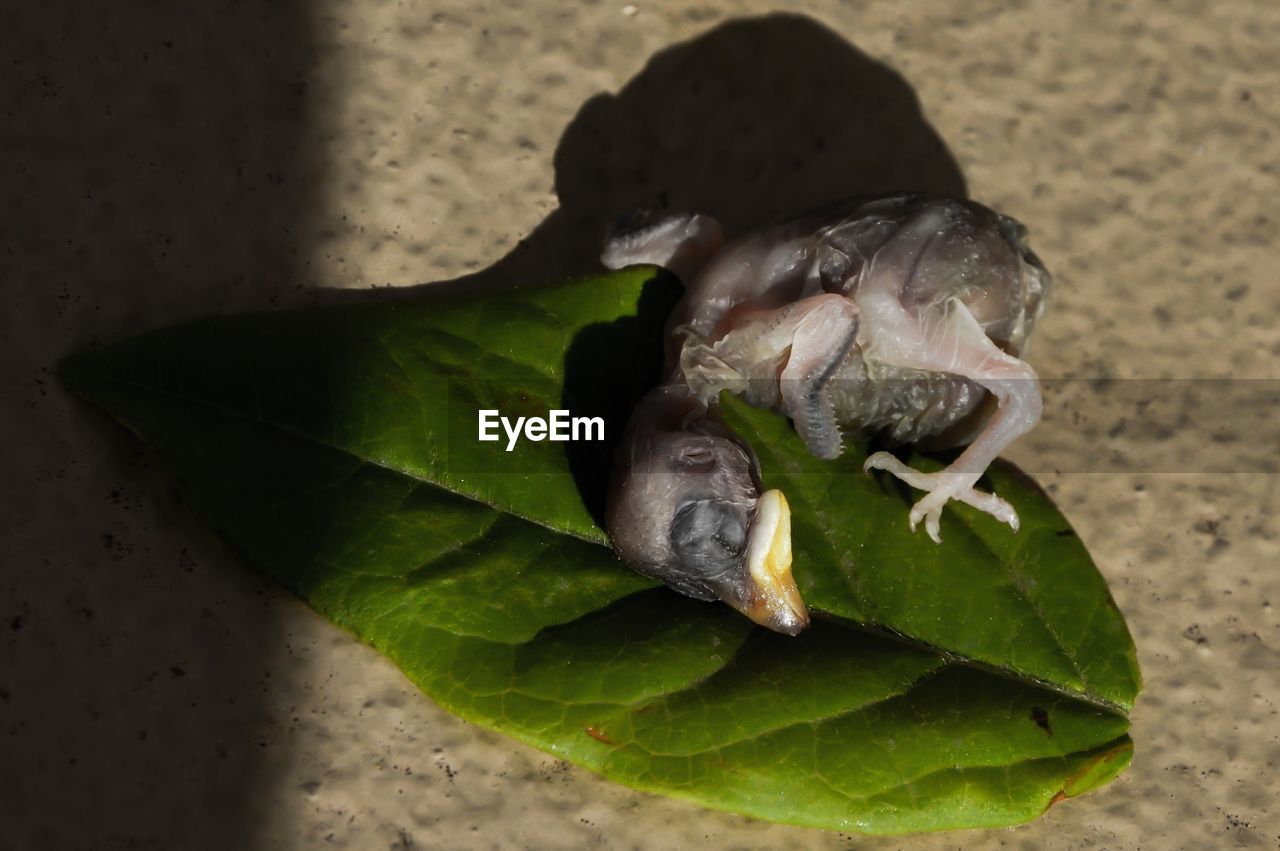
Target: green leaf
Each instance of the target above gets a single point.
(337, 449)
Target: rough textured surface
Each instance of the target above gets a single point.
(223, 156)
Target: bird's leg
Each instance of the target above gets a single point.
(948, 339)
(679, 242)
(819, 346)
(786, 356)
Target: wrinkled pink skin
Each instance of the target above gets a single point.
(891, 315)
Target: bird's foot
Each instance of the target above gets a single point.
(941, 487)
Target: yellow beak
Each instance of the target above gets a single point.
(777, 603)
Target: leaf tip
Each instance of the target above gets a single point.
(79, 371)
(70, 370)
(1105, 766)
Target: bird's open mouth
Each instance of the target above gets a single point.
(776, 600)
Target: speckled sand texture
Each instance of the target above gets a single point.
(170, 161)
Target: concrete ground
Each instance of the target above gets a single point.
(161, 163)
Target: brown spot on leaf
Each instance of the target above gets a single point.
(599, 736)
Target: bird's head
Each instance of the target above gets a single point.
(686, 508)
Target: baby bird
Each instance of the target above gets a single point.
(895, 315)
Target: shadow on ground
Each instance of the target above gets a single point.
(756, 120)
(158, 161)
